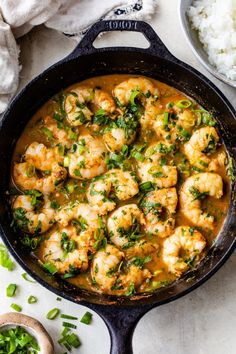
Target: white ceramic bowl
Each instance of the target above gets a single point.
(196, 45)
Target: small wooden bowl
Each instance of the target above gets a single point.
(43, 338)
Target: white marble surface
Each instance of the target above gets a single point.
(202, 322)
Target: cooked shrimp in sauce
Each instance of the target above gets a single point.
(120, 185)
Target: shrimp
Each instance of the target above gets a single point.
(140, 248)
(31, 215)
(182, 248)
(124, 90)
(62, 250)
(157, 150)
(42, 157)
(75, 104)
(150, 170)
(193, 190)
(174, 129)
(86, 215)
(218, 161)
(202, 142)
(104, 267)
(60, 134)
(153, 206)
(162, 176)
(134, 278)
(106, 271)
(26, 177)
(98, 195)
(153, 108)
(124, 224)
(121, 183)
(88, 159)
(115, 138)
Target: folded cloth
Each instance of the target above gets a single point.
(71, 17)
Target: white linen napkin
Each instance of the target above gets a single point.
(73, 17)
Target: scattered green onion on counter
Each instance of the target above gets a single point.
(32, 299)
(5, 260)
(68, 317)
(16, 307)
(69, 339)
(87, 318)
(11, 289)
(52, 314)
(26, 277)
(69, 325)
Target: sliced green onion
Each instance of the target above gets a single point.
(69, 325)
(30, 172)
(73, 340)
(87, 318)
(5, 260)
(32, 299)
(58, 298)
(138, 156)
(47, 132)
(70, 188)
(68, 317)
(169, 105)
(11, 289)
(166, 120)
(16, 307)
(146, 186)
(54, 204)
(66, 161)
(133, 96)
(52, 314)
(17, 340)
(26, 277)
(157, 272)
(69, 339)
(183, 104)
(50, 268)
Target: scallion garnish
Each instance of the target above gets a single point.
(5, 260)
(47, 132)
(52, 314)
(26, 277)
(17, 341)
(50, 268)
(68, 317)
(183, 104)
(32, 299)
(87, 318)
(146, 186)
(11, 289)
(69, 340)
(166, 121)
(69, 325)
(16, 307)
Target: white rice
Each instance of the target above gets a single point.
(215, 21)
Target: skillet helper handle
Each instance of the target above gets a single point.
(121, 323)
(156, 47)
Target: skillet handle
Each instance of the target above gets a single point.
(156, 47)
(121, 323)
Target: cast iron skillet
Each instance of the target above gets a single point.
(120, 314)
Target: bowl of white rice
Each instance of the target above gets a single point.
(210, 28)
